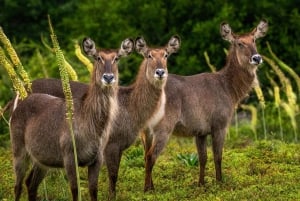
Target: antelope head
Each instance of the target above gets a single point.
(244, 45)
(106, 61)
(156, 59)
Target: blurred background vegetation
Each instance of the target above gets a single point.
(196, 22)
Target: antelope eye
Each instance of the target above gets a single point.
(149, 56)
(99, 59)
(116, 59)
(166, 55)
(240, 44)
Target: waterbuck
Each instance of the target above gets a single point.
(140, 104)
(40, 132)
(203, 104)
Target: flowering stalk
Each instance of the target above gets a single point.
(212, 67)
(68, 95)
(15, 59)
(286, 68)
(83, 59)
(17, 83)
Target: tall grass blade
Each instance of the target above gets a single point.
(212, 67)
(277, 102)
(2, 115)
(42, 63)
(45, 189)
(262, 104)
(290, 111)
(68, 95)
(253, 124)
(291, 107)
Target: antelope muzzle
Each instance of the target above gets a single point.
(256, 59)
(108, 79)
(160, 73)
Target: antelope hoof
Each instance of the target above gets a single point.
(148, 188)
(112, 196)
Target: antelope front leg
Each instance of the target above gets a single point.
(202, 155)
(147, 138)
(93, 175)
(70, 168)
(159, 142)
(112, 159)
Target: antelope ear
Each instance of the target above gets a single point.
(127, 47)
(141, 46)
(173, 44)
(89, 47)
(226, 32)
(261, 29)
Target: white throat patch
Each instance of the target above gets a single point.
(160, 112)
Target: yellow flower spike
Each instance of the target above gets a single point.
(292, 98)
(15, 59)
(212, 67)
(17, 83)
(71, 71)
(277, 70)
(291, 113)
(260, 96)
(83, 59)
(286, 68)
(277, 96)
(272, 82)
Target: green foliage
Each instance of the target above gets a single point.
(197, 23)
(189, 159)
(262, 170)
(134, 157)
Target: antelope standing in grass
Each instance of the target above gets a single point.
(140, 104)
(40, 132)
(203, 104)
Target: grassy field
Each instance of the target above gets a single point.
(263, 170)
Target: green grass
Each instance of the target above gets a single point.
(263, 170)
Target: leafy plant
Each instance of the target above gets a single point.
(134, 157)
(189, 159)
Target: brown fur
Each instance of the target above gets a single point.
(140, 104)
(203, 104)
(40, 132)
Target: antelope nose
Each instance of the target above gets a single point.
(160, 72)
(256, 59)
(108, 77)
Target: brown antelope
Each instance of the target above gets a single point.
(140, 104)
(203, 104)
(40, 132)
